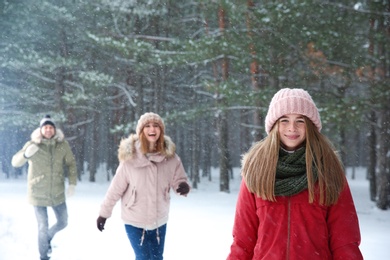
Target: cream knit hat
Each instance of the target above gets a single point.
(149, 117)
(292, 101)
(46, 121)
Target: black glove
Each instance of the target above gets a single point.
(183, 188)
(100, 223)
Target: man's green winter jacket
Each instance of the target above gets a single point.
(46, 179)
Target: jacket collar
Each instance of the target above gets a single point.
(37, 137)
(129, 149)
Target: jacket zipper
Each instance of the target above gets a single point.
(157, 224)
(288, 228)
(51, 171)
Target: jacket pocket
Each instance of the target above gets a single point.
(132, 198)
(167, 194)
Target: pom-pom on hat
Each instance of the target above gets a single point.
(47, 121)
(149, 117)
(292, 101)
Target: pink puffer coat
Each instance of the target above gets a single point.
(143, 184)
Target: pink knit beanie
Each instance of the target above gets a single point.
(292, 101)
(149, 117)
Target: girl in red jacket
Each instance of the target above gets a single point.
(294, 200)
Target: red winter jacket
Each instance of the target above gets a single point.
(292, 228)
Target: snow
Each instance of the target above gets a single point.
(199, 226)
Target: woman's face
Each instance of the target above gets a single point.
(292, 131)
(152, 132)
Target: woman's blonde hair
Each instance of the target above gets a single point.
(144, 143)
(259, 166)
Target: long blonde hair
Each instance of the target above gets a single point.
(259, 166)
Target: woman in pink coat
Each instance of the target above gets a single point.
(149, 168)
(294, 201)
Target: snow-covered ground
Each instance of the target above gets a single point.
(199, 226)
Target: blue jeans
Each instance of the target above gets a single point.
(147, 244)
(46, 234)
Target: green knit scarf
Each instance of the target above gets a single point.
(291, 175)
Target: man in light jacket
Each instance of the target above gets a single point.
(47, 153)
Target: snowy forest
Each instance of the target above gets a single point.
(209, 68)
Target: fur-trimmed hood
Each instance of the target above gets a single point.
(128, 148)
(37, 137)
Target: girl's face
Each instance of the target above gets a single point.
(292, 131)
(152, 132)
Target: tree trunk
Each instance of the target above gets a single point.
(378, 50)
(195, 155)
(223, 152)
(371, 169)
(222, 117)
(92, 167)
(257, 78)
(206, 155)
(383, 175)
